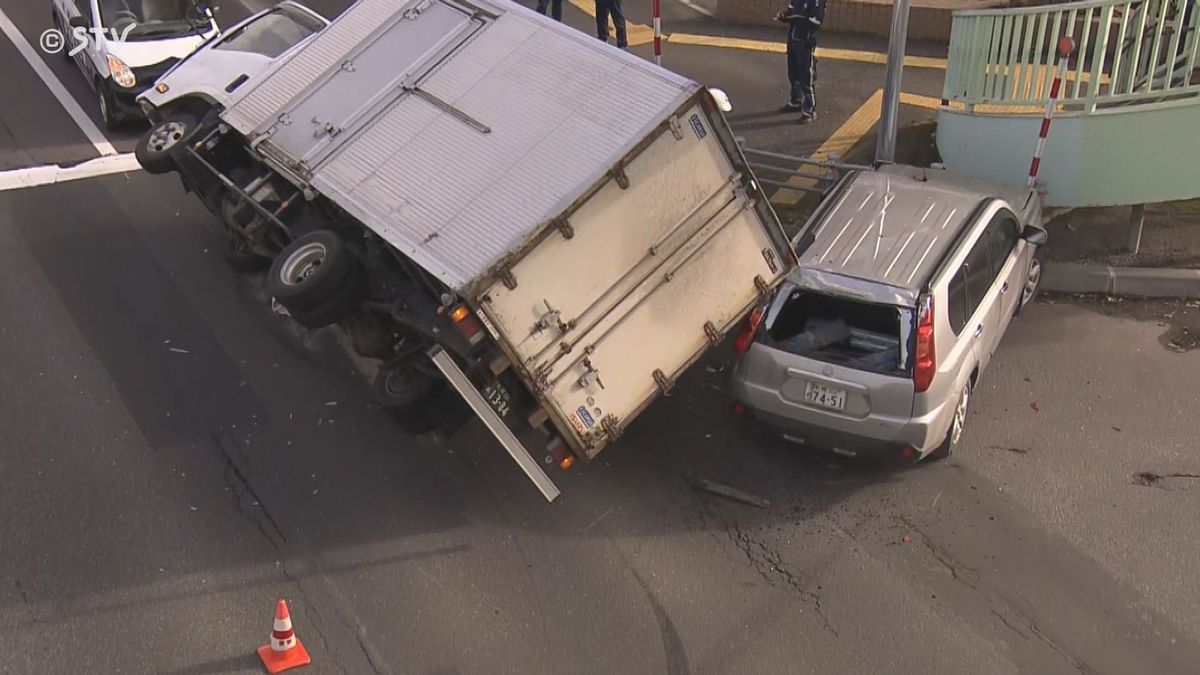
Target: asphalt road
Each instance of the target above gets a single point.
(173, 457)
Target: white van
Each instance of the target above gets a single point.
(128, 44)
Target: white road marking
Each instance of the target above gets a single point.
(47, 175)
(68, 102)
(696, 8)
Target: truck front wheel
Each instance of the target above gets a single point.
(154, 148)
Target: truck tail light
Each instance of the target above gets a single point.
(467, 322)
(749, 329)
(926, 353)
(560, 454)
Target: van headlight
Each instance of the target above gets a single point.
(121, 74)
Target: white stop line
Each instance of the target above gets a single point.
(47, 175)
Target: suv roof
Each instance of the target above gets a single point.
(893, 225)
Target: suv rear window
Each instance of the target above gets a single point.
(865, 336)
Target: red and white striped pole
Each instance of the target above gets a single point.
(657, 32)
(1065, 47)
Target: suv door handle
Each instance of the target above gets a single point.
(979, 330)
(1004, 288)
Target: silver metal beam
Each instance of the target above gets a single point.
(885, 145)
(462, 384)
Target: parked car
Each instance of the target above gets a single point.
(907, 281)
(129, 44)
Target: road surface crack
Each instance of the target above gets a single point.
(768, 563)
(1166, 481)
(240, 487)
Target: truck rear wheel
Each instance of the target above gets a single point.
(401, 385)
(311, 271)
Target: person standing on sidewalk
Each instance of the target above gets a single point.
(803, 18)
(555, 8)
(606, 8)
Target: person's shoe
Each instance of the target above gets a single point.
(790, 108)
(808, 117)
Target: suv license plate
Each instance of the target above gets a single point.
(826, 397)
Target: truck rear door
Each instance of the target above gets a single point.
(640, 277)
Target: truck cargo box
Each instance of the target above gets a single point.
(592, 208)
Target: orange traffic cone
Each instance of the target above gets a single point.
(284, 651)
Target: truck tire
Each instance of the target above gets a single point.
(311, 271)
(344, 302)
(401, 385)
(154, 148)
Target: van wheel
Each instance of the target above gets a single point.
(108, 108)
(154, 148)
(957, 423)
(311, 272)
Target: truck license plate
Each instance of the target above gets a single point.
(826, 397)
(499, 398)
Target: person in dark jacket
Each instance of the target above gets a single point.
(605, 8)
(803, 19)
(555, 8)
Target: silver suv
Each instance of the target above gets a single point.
(907, 280)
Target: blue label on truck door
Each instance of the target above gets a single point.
(586, 417)
(698, 127)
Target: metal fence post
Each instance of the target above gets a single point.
(885, 146)
(1137, 218)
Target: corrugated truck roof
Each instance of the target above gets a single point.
(560, 107)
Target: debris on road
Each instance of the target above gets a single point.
(179, 350)
(1034, 406)
(906, 538)
(730, 492)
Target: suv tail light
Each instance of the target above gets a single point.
(926, 354)
(749, 329)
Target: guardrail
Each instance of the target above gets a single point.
(1128, 51)
(802, 174)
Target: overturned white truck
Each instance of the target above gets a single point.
(474, 193)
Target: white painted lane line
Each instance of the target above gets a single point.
(697, 8)
(68, 102)
(47, 175)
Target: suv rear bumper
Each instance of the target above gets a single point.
(880, 437)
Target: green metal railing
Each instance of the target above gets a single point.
(1127, 52)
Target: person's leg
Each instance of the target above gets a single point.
(602, 19)
(541, 6)
(805, 65)
(793, 74)
(556, 9)
(618, 17)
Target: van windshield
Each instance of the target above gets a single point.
(151, 19)
(860, 335)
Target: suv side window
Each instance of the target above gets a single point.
(1002, 235)
(959, 310)
(978, 269)
(85, 10)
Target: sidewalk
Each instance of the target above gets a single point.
(1087, 252)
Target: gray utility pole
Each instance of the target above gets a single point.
(889, 117)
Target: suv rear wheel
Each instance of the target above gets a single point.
(957, 424)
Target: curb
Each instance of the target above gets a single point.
(1142, 282)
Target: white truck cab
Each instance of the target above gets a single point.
(219, 67)
(128, 44)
